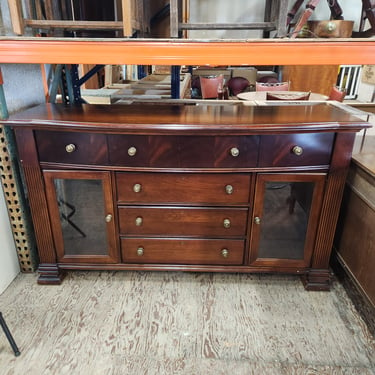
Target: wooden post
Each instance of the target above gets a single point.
(16, 16)
(174, 18)
(127, 17)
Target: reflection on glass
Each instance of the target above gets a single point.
(81, 208)
(284, 220)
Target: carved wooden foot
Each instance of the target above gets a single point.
(50, 274)
(317, 280)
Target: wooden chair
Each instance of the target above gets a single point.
(270, 86)
(236, 85)
(210, 85)
(337, 94)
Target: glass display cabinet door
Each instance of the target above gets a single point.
(285, 218)
(81, 211)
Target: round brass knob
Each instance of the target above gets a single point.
(225, 253)
(138, 221)
(137, 188)
(297, 150)
(226, 223)
(140, 251)
(132, 151)
(108, 218)
(70, 147)
(331, 26)
(257, 220)
(229, 189)
(234, 151)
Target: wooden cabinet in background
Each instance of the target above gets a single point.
(314, 78)
(214, 188)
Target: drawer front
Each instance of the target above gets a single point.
(71, 147)
(182, 251)
(143, 151)
(296, 150)
(183, 152)
(164, 188)
(177, 221)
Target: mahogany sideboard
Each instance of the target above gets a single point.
(204, 188)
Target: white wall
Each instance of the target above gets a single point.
(9, 266)
(22, 88)
(241, 11)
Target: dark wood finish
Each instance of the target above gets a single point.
(354, 240)
(277, 151)
(183, 152)
(181, 221)
(196, 189)
(193, 167)
(314, 214)
(183, 251)
(111, 255)
(89, 148)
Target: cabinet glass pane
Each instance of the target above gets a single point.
(82, 213)
(284, 220)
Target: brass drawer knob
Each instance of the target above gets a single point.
(138, 221)
(257, 220)
(108, 218)
(137, 188)
(234, 151)
(229, 189)
(297, 150)
(70, 147)
(140, 251)
(225, 253)
(226, 223)
(132, 151)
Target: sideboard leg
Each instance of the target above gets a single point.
(317, 280)
(50, 274)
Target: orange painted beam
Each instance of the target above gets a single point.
(188, 52)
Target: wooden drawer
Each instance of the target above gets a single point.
(71, 147)
(182, 251)
(183, 151)
(164, 188)
(285, 150)
(183, 221)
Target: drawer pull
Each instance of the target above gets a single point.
(108, 218)
(234, 151)
(226, 223)
(225, 253)
(297, 150)
(257, 220)
(70, 147)
(140, 251)
(132, 151)
(138, 221)
(137, 188)
(229, 189)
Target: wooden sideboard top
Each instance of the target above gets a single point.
(182, 118)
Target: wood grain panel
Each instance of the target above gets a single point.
(314, 78)
(88, 148)
(332, 199)
(37, 201)
(183, 221)
(277, 151)
(163, 188)
(182, 323)
(182, 251)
